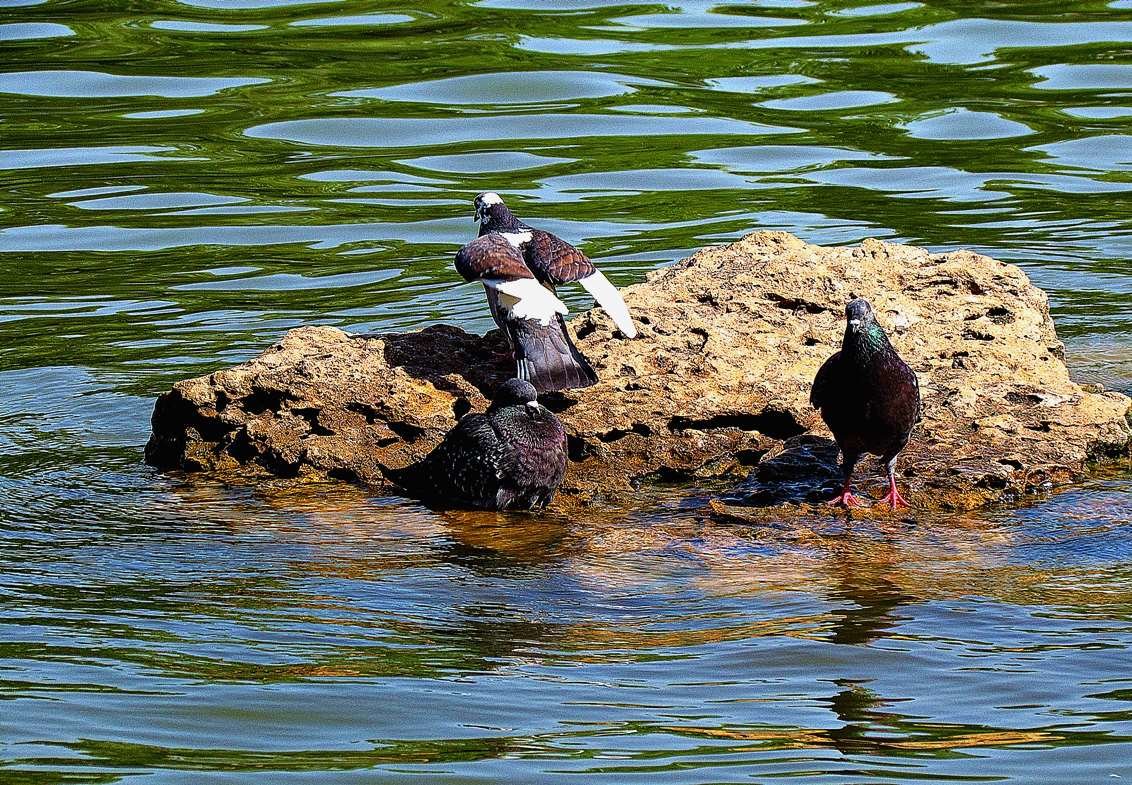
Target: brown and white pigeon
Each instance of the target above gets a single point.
(552, 260)
(528, 313)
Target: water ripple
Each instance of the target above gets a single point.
(91, 84)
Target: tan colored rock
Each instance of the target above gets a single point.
(718, 381)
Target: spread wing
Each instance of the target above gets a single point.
(491, 256)
(822, 390)
(525, 298)
(554, 261)
(513, 290)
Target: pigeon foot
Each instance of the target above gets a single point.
(894, 499)
(846, 499)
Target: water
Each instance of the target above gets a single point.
(184, 181)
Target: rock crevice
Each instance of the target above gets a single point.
(716, 383)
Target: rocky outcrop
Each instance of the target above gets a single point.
(716, 383)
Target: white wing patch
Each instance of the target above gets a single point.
(517, 238)
(610, 299)
(526, 298)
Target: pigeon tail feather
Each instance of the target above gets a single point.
(547, 358)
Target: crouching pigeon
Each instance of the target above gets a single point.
(511, 457)
(869, 398)
(528, 313)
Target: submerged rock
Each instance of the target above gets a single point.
(717, 382)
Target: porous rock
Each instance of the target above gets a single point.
(716, 383)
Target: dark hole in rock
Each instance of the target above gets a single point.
(1000, 315)
(701, 341)
(775, 424)
(616, 434)
(586, 330)
(241, 447)
(460, 407)
(557, 402)
(749, 457)
(810, 341)
(668, 474)
(371, 413)
(410, 433)
(1012, 463)
(971, 334)
(577, 449)
(261, 401)
(993, 482)
(796, 304)
(278, 466)
(343, 473)
(310, 414)
(221, 401)
(175, 423)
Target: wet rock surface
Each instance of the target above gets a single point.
(716, 385)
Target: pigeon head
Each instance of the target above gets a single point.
(492, 214)
(859, 316)
(515, 392)
(518, 393)
(863, 334)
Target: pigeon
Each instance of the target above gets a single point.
(552, 260)
(511, 457)
(869, 398)
(528, 313)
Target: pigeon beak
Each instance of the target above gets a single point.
(477, 216)
(536, 408)
(855, 325)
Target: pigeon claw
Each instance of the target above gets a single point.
(894, 499)
(846, 499)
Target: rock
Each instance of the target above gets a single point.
(717, 382)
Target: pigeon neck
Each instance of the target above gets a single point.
(866, 343)
(503, 220)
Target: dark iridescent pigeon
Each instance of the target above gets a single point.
(869, 398)
(528, 313)
(511, 457)
(553, 260)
